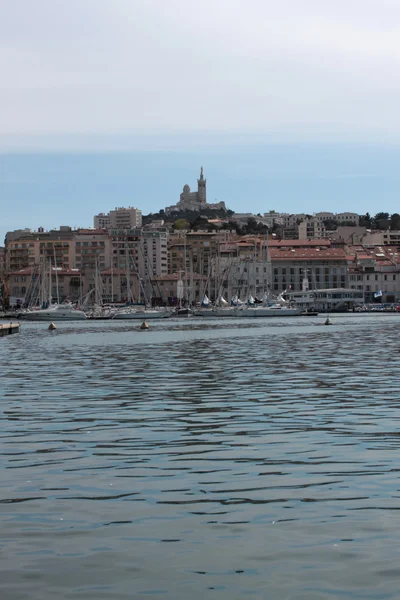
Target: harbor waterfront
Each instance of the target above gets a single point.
(201, 458)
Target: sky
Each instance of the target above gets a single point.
(253, 90)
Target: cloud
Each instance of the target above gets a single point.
(307, 69)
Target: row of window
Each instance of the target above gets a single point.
(361, 277)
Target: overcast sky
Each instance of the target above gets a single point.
(287, 69)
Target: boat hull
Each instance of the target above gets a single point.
(250, 313)
(49, 315)
(144, 316)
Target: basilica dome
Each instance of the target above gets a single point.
(186, 189)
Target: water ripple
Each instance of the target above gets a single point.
(200, 458)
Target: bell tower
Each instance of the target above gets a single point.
(201, 189)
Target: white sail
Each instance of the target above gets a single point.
(250, 300)
(205, 301)
(281, 300)
(179, 289)
(223, 302)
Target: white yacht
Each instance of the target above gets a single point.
(56, 312)
(141, 313)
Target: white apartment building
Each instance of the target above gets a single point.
(119, 218)
(101, 221)
(125, 218)
(340, 218)
(347, 217)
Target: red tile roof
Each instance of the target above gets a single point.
(297, 254)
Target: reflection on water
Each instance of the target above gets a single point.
(201, 460)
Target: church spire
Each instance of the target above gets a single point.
(201, 188)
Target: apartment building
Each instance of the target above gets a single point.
(21, 253)
(119, 218)
(102, 221)
(92, 249)
(193, 251)
(142, 253)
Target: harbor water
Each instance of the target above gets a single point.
(201, 459)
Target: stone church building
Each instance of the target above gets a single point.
(195, 201)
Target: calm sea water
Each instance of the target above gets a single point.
(201, 460)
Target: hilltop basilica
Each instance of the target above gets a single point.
(195, 201)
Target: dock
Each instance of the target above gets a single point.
(9, 328)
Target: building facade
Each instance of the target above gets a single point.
(119, 218)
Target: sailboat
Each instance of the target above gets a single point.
(183, 309)
(137, 311)
(52, 312)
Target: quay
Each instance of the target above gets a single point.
(9, 328)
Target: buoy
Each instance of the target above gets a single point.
(328, 322)
(52, 326)
(144, 325)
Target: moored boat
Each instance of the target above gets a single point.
(250, 312)
(144, 314)
(56, 312)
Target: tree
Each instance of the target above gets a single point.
(365, 221)
(201, 222)
(331, 224)
(381, 220)
(395, 221)
(181, 224)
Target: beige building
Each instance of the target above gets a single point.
(119, 285)
(21, 253)
(192, 251)
(32, 286)
(57, 247)
(92, 250)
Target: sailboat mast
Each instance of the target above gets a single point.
(55, 267)
(50, 290)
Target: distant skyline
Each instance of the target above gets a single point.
(56, 189)
(289, 105)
